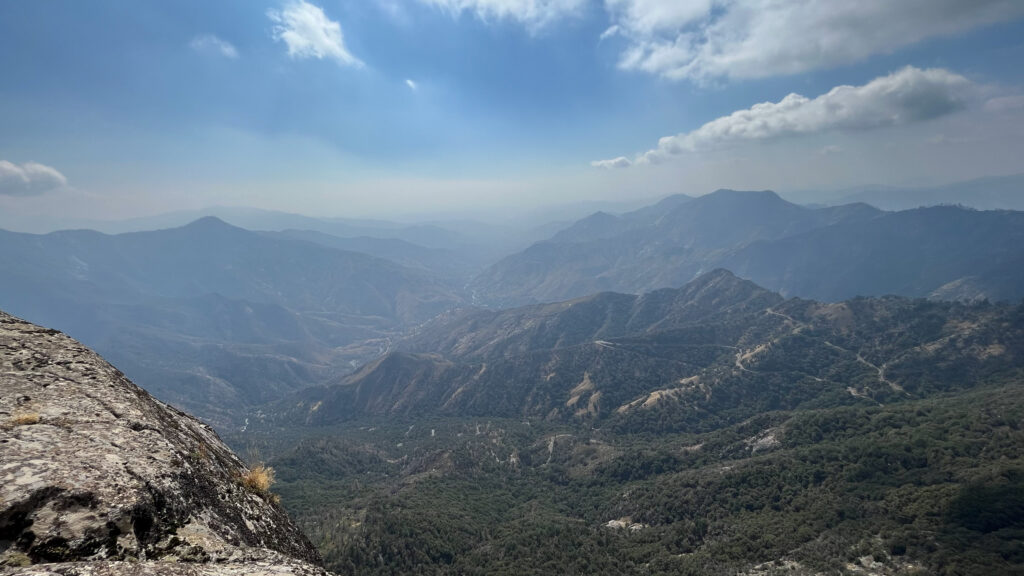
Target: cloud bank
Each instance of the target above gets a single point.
(907, 96)
(707, 40)
(28, 179)
(704, 40)
(309, 33)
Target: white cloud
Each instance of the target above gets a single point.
(620, 162)
(830, 149)
(650, 16)
(309, 33)
(210, 44)
(28, 179)
(412, 84)
(707, 39)
(532, 13)
(907, 96)
(612, 30)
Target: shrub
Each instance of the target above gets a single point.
(258, 478)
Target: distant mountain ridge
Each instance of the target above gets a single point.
(780, 245)
(991, 193)
(604, 225)
(436, 260)
(912, 253)
(481, 334)
(271, 220)
(211, 316)
(468, 245)
(210, 256)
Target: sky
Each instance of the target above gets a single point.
(385, 108)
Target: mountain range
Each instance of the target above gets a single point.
(826, 253)
(219, 319)
(712, 353)
(697, 386)
(990, 193)
(210, 316)
(717, 428)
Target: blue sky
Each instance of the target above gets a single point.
(379, 107)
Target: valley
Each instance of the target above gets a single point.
(219, 319)
(714, 429)
(713, 426)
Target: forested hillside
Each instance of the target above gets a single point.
(714, 429)
(921, 487)
(712, 353)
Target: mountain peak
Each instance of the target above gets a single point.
(673, 201)
(716, 292)
(209, 223)
(715, 276)
(597, 225)
(599, 217)
(722, 281)
(738, 209)
(744, 195)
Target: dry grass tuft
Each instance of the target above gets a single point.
(258, 478)
(25, 419)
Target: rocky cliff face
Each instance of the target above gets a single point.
(98, 477)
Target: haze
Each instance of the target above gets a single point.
(419, 109)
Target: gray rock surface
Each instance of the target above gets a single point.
(267, 564)
(271, 564)
(98, 477)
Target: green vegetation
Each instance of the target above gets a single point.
(882, 435)
(933, 484)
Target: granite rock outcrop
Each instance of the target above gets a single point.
(97, 477)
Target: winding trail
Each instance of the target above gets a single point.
(881, 373)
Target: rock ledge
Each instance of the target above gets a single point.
(97, 477)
